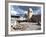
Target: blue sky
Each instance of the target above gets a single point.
(17, 10)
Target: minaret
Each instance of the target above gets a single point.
(29, 13)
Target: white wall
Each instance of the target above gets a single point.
(2, 17)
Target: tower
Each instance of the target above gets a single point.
(29, 13)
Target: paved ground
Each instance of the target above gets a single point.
(26, 26)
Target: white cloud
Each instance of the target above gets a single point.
(13, 12)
